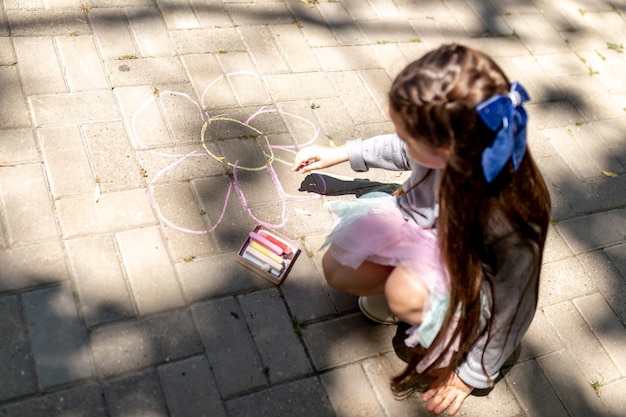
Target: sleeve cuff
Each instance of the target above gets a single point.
(355, 155)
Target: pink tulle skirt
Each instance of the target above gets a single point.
(373, 228)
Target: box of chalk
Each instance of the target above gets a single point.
(268, 253)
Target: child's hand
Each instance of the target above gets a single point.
(447, 396)
(318, 157)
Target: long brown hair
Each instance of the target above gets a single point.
(436, 98)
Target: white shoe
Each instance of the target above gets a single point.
(376, 309)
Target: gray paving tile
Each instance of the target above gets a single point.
(18, 146)
(213, 276)
(540, 339)
(79, 57)
(131, 346)
(580, 340)
(297, 398)
(112, 33)
(113, 211)
(311, 22)
(594, 231)
(211, 15)
(36, 78)
(533, 391)
(606, 327)
(296, 49)
(540, 36)
(16, 359)
(351, 89)
(263, 48)
(112, 160)
(564, 280)
(135, 395)
(199, 41)
(177, 18)
(500, 402)
(71, 108)
(149, 31)
(99, 280)
(150, 272)
(337, 18)
(34, 20)
(208, 80)
(612, 395)
(569, 383)
(337, 58)
(7, 56)
(32, 265)
(84, 400)
(259, 13)
(67, 166)
(27, 206)
(229, 347)
(274, 335)
(345, 340)
(350, 393)
(130, 71)
(610, 282)
(58, 339)
(190, 389)
(12, 100)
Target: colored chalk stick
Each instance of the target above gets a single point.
(263, 258)
(266, 251)
(277, 241)
(265, 242)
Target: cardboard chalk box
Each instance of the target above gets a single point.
(268, 253)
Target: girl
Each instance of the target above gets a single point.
(457, 255)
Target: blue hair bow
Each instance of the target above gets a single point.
(505, 115)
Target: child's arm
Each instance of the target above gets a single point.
(318, 157)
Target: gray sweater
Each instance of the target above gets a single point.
(511, 268)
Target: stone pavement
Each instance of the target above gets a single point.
(120, 217)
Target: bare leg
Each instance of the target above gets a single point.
(368, 279)
(406, 295)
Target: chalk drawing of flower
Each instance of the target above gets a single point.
(230, 163)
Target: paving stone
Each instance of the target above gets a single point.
(12, 100)
(129, 346)
(606, 69)
(262, 46)
(178, 17)
(113, 211)
(606, 327)
(99, 279)
(540, 36)
(229, 346)
(336, 17)
(144, 118)
(345, 340)
(18, 146)
(350, 393)
(202, 41)
(275, 335)
(68, 169)
(209, 277)
(297, 398)
(110, 153)
(593, 231)
(540, 339)
(612, 395)
(149, 270)
(378, 84)
(32, 265)
(249, 87)
(40, 21)
(58, 339)
(85, 400)
(608, 191)
(569, 383)
(36, 78)
(597, 106)
(499, 402)
(208, 80)
(555, 247)
(351, 89)
(580, 340)
(564, 280)
(297, 51)
(269, 13)
(7, 56)
(16, 359)
(59, 109)
(610, 282)
(177, 164)
(190, 389)
(310, 21)
(126, 71)
(149, 31)
(343, 58)
(112, 34)
(184, 231)
(138, 394)
(617, 253)
(27, 207)
(379, 371)
(182, 113)
(576, 197)
(82, 66)
(305, 291)
(211, 15)
(533, 391)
